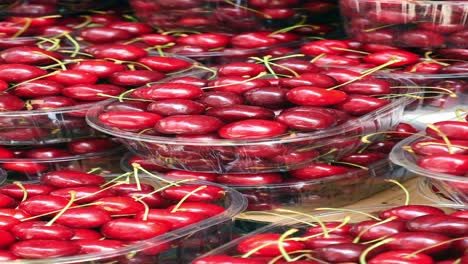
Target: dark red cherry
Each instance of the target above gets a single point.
(334, 47)
(83, 146)
(364, 158)
(98, 246)
(421, 38)
(133, 229)
(174, 220)
(418, 240)
(135, 77)
(439, 146)
(41, 230)
(250, 179)
(451, 129)
(236, 84)
(45, 153)
(319, 170)
(271, 249)
(408, 212)
(401, 257)
(169, 107)
(361, 104)
(337, 253)
(117, 51)
(373, 229)
(443, 224)
(68, 178)
(252, 129)
(43, 249)
(308, 79)
(136, 28)
(10, 102)
(72, 77)
(306, 120)
(313, 96)
(206, 209)
(51, 102)
(220, 99)
(168, 91)
(16, 192)
(104, 34)
(188, 124)
(205, 40)
(129, 119)
(403, 57)
(454, 164)
(38, 88)
(165, 64)
(368, 87)
(41, 204)
(322, 241)
(240, 112)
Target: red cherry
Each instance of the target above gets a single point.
(6, 201)
(455, 164)
(339, 253)
(306, 120)
(174, 220)
(10, 103)
(8, 222)
(119, 205)
(86, 234)
(28, 55)
(129, 119)
(436, 147)
(236, 84)
(38, 88)
(253, 40)
(377, 231)
(206, 209)
(205, 40)
(401, 257)
(157, 39)
(104, 34)
(72, 77)
(14, 190)
(98, 246)
(313, 96)
(100, 68)
(133, 229)
(451, 129)
(252, 129)
(220, 99)
(117, 51)
(319, 170)
(68, 178)
(250, 179)
(6, 153)
(334, 47)
(84, 218)
(270, 250)
(6, 255)
(7, 239)
(135, 77)
(84, 194)
(180, 175)
(91, 92)
(83, 146)
(240, 112)
(381, 57)
(136, 28)
(19, 72)
(43, 249)
(443, 224)
(358, 105)
(209, 193)
(41, 204)
(322, 241)
(241, 69)
(418, 240)
(217, 259)
(408, 212)
(45, 153)
(40, 230)
(25, 166)
(165, 64)
(168, 91)
(188, 124)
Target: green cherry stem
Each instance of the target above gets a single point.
(179, 204)
(72, 199)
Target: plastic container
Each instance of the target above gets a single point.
(38, 8)
(283, 226)
(245, 156)
(453, 187)
(104, 163)
(178, 246)
(429, 191)
(239, 15)
(338, 190)
(407, 23)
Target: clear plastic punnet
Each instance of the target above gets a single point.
(407, 23)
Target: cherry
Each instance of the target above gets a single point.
(318, 170)
(254, 40)
(452, 129)
(401, 257)
(42, 204)
(421, 38)
(117, 51)
(168, 91)
(242, 69)
(361, 104)
(86, 234)
(319, 47)
(72, 77)
(119, 205)
(8, 222)
(24, 166)
(16, 192)
(337, 253)
(377, 231)
(104, 34)
(10, 102)
(6, 255)
(227, 259)
(209, 193)
(454, 164)
(6, 201)
(129, 119)
(220, 99)
(401, 57)
(98, 246)
(417, 241)
(408, 212)
(180, 175)
(14, 72)
(306, 121)
(199, 208)
(28, 55)
(45, 153)
(236, 84)
(68, 178)
(84, 218)
(7, 239)
(51, 102)
(41, 230)
(252, 129)
(271, 240)
(133, 229)
(205, 40)
(15, 213)
(91, 92)
(6, 153)
(313, 96)
(250, 179)
(240, 112)
(100, 68)
(174, 220)
(308, 79)
(84, 194)
(323, 241)
(165, 64)
(188, 124)
(43, 249)
(92, 145)
(126, 188)
(442, 224)
(364, 158)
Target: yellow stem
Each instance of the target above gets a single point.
(179, 204)
(72, 199)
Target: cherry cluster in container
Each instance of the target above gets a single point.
(444, 148)
(70, 213)
(408, 234)
(232, 15)
(36, 8)
(422, 24)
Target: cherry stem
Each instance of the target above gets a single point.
(86, 22)
(266, 62)
(55, 43)
(458, 113)
(235, 83)
(351, 50)
(451, 93)
(287, 57)
(358, 237)
(136, 177)
(362, 258)
(143, 196)
(348, 210)
(365, 139)
(295, 74)
(308, 256)
(27, 24)
(316, 219)
(59, 62)
(213, 72)
(179, 204)
(72, 199)
(377, 28)
(248, 9)
(102, 190)
(331, 230)
(318, 57)
(180, 31)
(25, 191)
(121, 99)
(129, 63)
(287, 29)
(434, 246)
(443, 136)
(93, 170)
(159, 48)
(127, 174)
(76, 45)
(280, 215)
(439, 144)
(146, 212)
(427, 55)
(33, 79)
(283, 251)
(403, 188)
(139, 167)
(350, 164)
(366, 73)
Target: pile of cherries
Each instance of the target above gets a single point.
(446, 148)
(409, 234)
(36, 160)
(45, 7)
(231, 15)
(72, 213)
(419, 24)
